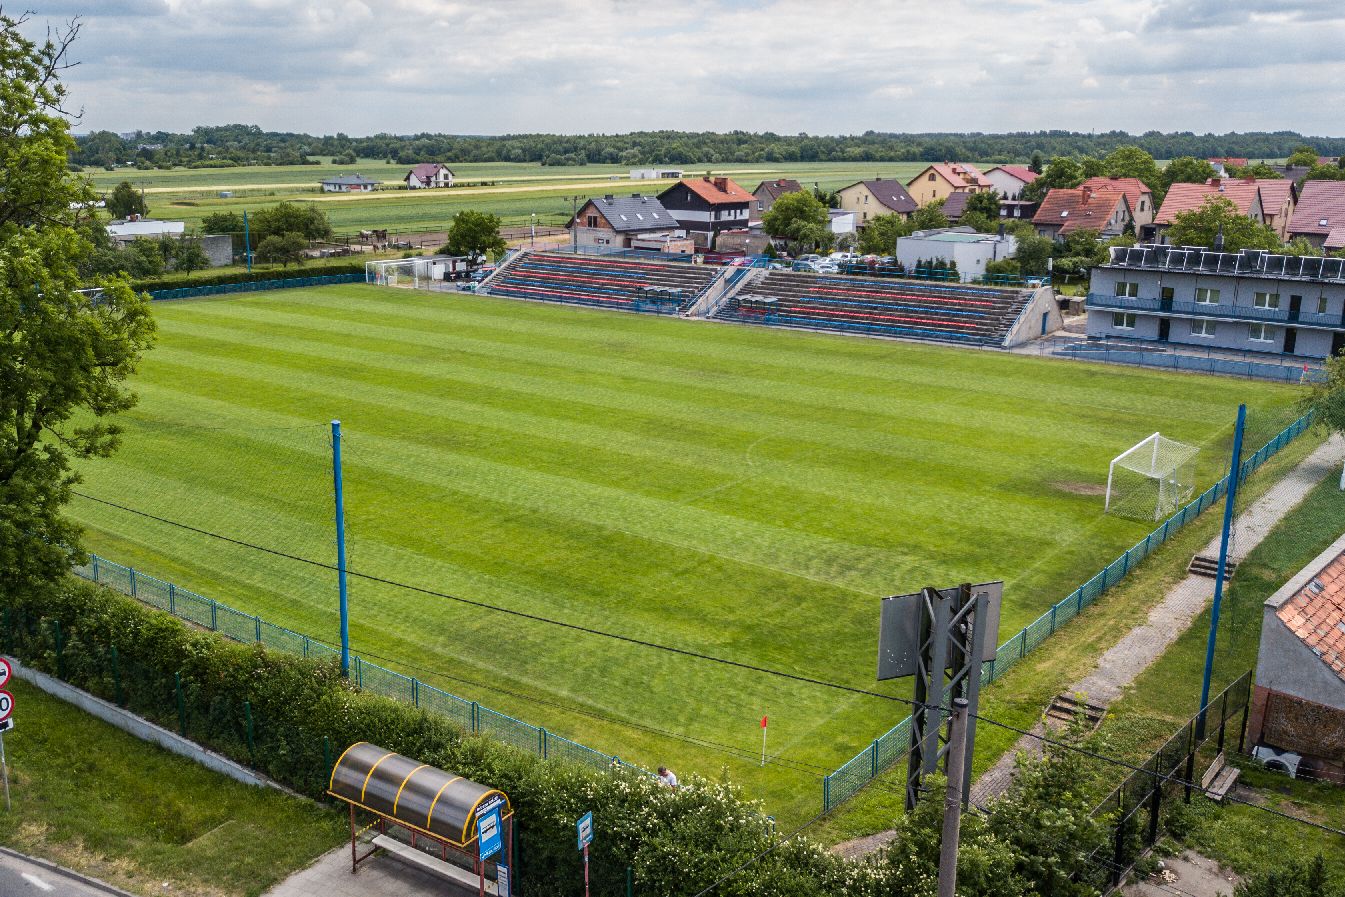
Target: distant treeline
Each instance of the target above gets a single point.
(226, 145)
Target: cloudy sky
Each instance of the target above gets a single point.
(821, 66)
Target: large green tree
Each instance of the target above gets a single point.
(305, 219)
(282, 249)
(64, 355)
(1062, 171)
(1302, 157)
(1133, 162)
(1199, 227)
(1187, 170)
(1326, 401)
(929, 216)
(879, 236)
(474, 233)
(125, 201)
(800, 219)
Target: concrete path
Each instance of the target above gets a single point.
(22, 876)
(1172, 616)
(378, 877)
(1188, 875)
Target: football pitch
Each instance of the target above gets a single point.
(740, 492)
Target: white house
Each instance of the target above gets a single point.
(655, 174)
(1010, 180)
(969, 249)
(349, 183)
(428, 174)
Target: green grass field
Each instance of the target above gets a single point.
(739, 491)
(520, 189)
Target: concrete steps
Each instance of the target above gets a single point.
(1203, 565)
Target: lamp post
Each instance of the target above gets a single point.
(533, 239)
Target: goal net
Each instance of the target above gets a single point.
(427, 272)
(1151, 480)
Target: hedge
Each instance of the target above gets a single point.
(269, 273)
(289, 717)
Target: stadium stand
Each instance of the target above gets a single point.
(623, 283)
(948, 312)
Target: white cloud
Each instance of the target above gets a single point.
(362, 66)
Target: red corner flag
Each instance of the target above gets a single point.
(763, 722)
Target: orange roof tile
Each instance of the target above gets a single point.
(717, 191)
(1133, 188)
(1188, 197)
(1321, 208)
(1022, 172)
(1316, 614)
(1077, 209)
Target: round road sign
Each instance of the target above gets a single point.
(6, 705)
(5, 672)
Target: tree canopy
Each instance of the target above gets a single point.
(66, 354)
(879, 236)
(125, 201)
(474, 233)
(1198, 227)
(305, 219)
(1326, 401)
(1187, 170)
(799, 218)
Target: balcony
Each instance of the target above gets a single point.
(1222, 310)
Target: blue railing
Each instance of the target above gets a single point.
(253, 286)
(252, 629)
(1212, 310)
(893, 744)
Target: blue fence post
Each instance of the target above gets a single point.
(826, 793)
(172, 599)
(359, 672)
(1053, 609)
(1022, 646)
(305, 646)
(259, 629)
(476, 717)
(341, 548)
(415, 692)
(131, 571)
(95, 568)
(873, 759)
(214, 615)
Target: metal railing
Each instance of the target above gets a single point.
(1213, 310)
(208, 613)
(842, 784)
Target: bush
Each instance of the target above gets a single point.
(175, 283)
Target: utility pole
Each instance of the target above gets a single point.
(574, 223)
(339, 492)
(952, 799)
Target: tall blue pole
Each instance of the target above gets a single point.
(1234, 474)
(341, 547)
(247, 242)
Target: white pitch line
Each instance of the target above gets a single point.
(37, 882)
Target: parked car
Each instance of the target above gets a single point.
(843, 257)
(810, 257)
(467, 286)
(481, 274)
(826, 266)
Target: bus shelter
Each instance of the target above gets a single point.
(454, 816)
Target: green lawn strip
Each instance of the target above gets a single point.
(1019, 698)
(738, 491)
(97, 800)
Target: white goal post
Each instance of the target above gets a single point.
(1152, 479)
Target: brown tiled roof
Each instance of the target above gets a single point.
(426, 170)
(1187, 197)
(955, 205)
(778, 188)
(1316, 614)
(1336, 239)
(718, 191)
(1087, 209)
(1022, 172)
(1319, 201)
(961, 174)
(1274, 192)
(1231, 161)
(1133, 188)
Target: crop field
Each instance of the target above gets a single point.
(514, 190)
(742, 492)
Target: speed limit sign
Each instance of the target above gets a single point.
(5, 672)
(6, 705)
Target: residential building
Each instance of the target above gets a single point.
(768, 192)
(218, 248)
(842, 222)
(427, 175)
(617, 221)
(1223, 165)
(1017, 210)
(706, 206)
(1298, 702)
(1065, 210)
(655, 174)
(1244, 194)
(880, 196)
(944, 178)
(1252, 300)
(1320, 214)
(1010, 180)
(955, 205)
(1279, 198)
(1140, 197)
(349, 183)
(970, 250)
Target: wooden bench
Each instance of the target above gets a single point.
(464, 879)
(1219, 778)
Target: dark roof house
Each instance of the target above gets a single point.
(768, 192)
(629, 214)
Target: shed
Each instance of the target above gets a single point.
(432, 805)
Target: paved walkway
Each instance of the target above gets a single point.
(22, 876)
(1172, 616)
(378, 877)
(1188, 875)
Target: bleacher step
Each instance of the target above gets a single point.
(1066, 708)
(426, 863)
(1203, 565)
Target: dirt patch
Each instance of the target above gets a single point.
(1080, 488)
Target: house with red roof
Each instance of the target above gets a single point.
(1279, 198)
(707, 206)
(1010, 180)
(1245, 195)
(1065, 210)
(1298, 704)
(943, 178)
(1319, 216)
(1138, 194)
(428, 174)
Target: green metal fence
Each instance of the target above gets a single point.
(892, 745)
(253, 286)
(251, 629)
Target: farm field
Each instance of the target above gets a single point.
(520, 189)
(737, 491)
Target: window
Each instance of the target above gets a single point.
(1123, 320)
(592, 220)
(866, 199)
(1266, 300)
(1321, 305)
(1203, 328)
(1142, 205)
(1127, 288)
(1206, 296)
(760, 204)
(1262, 333)
(1166, 294)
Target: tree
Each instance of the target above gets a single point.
(1187, 170)
(929, 216)
(1033, 254)
(66, 354)
(1261, 171)
(225, 223)
(1036, 164)
(282, 249)
(1325, 173)
(1294, 880)
(282, 218)
(1198, 227)
(188, 256)
(1062, 171)
(143, 259)
(879, 236)
(1133, 162)
(125, 201)
(985, 202)
(799, 218)
(1304, 157)
(1326, 401)
(474, 233)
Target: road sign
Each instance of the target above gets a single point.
(502, 880)
(6, 725)
(6, 705)
(585, 829)
(5, 672)
(488, 832)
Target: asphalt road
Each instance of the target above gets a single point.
(20, 878)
